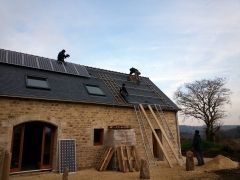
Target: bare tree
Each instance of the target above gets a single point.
(204, 100)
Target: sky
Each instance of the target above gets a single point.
(171, 42)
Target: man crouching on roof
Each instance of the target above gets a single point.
(62, 56)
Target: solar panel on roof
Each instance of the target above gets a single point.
(67, 155)
(30, 61)
(71, 69)
(15, 58)
(58, 66)
(26, 60)
(44, 63)
(82, 70)
(3, 56)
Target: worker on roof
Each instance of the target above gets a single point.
(124, 92)
(134, 73)
(62, 56)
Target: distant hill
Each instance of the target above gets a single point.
(226, 131)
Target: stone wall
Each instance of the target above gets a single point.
(75, 121)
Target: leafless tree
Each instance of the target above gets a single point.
(204, 100)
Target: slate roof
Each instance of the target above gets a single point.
(67, 82)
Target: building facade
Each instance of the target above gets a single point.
(42, 102)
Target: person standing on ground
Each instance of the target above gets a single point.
(197, 147)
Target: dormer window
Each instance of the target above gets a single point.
(94, 90)
(37, 82)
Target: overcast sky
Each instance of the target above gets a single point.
(172, 42)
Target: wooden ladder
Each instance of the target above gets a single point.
(164, 135)
(113, 86)
(145, 139)
(156, 136)
(162, 117)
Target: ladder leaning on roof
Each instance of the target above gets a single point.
(113, 86)
(156, 136)
(162, 117)
(145, 138)
(169, 143)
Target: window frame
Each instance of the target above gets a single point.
(91, 85)
(101, 138)
(36, 77)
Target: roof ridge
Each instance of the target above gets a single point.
(116, 72)
(110, 71)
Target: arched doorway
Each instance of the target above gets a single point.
(32, 146)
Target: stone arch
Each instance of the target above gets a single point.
(35, 117)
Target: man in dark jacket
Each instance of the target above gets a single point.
(197, 147)
(62, 56)
(123, 92)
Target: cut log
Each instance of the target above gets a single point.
(144, 170)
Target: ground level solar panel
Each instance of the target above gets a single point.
(67, 155)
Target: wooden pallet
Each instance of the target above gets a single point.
(127, 159)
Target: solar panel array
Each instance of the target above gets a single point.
(67, 155)
(26, 60)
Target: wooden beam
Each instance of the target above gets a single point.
(156, 136)
(165, 135)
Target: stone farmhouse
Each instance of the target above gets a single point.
(43, 103)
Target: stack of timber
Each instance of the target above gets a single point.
(127, 159)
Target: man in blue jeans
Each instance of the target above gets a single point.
(197, 147)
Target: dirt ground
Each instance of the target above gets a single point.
(211, 170)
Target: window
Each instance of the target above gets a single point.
(37, 82)
(98, 137)
(94, 90)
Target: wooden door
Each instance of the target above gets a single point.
(20, 146)
(157, 152)
(47, 147)
(17, 148)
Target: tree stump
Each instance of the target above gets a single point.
(189, 161)
(6, 165)
(65, 174)
(144, 170)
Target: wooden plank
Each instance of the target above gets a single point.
(165, 135)
(155, 135)
(123, 159)
(136, 159)
(104, 159)
(110, 154)
(120, 161)
(129, 159)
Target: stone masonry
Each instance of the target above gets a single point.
(75, 121)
